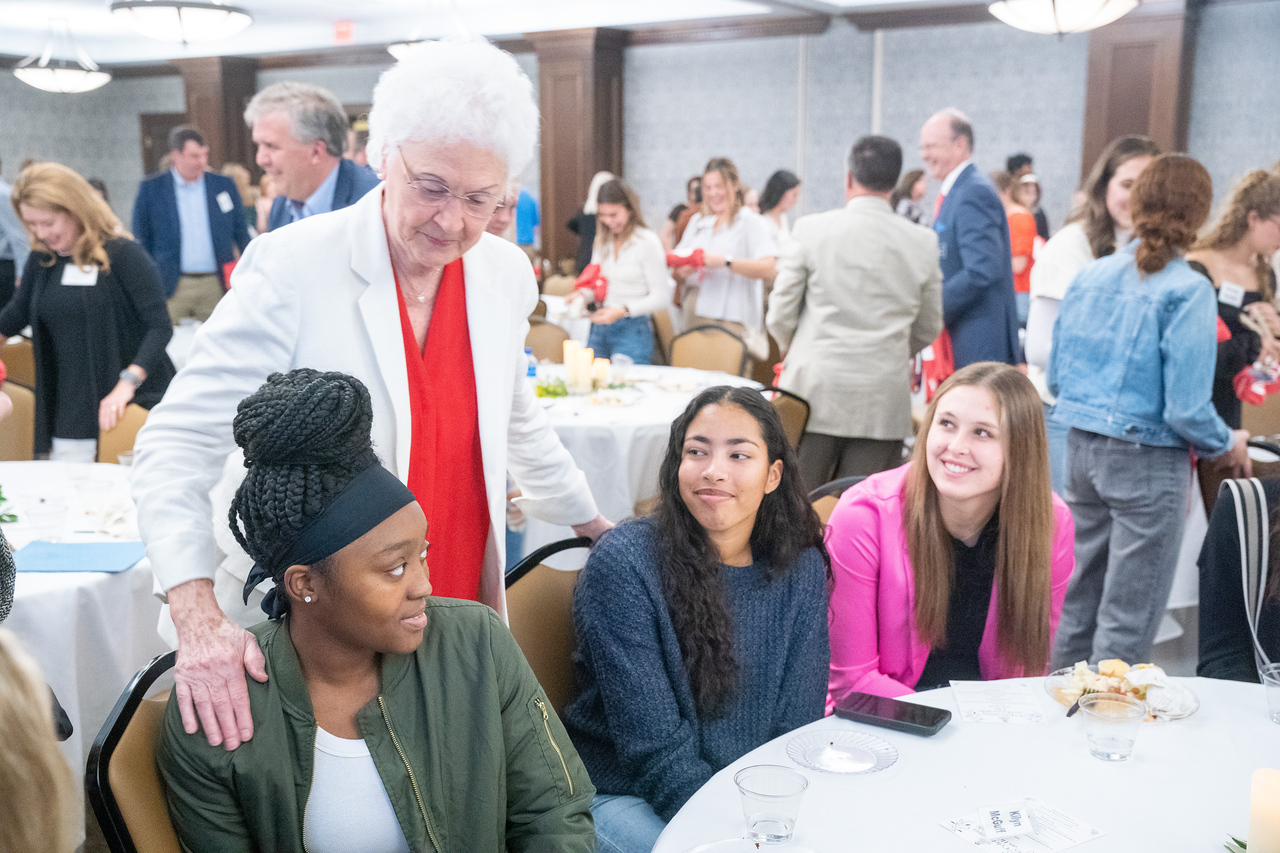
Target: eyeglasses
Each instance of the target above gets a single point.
(434, 194)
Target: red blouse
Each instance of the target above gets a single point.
(446, 472)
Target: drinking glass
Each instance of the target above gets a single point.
(1111, 723)
(1271, 683)
(770, 801)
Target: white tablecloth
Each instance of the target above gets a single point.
(620, 447)
(1185, 787)
(90, 632)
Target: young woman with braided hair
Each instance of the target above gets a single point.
(391, 720)
(1132, 370)
(1236, 257)
(702, 629)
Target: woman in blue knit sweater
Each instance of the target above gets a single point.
(702, 629)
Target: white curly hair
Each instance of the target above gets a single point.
(455, 90)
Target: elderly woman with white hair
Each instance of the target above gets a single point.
(407, 292)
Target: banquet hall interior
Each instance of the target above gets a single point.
(639, 105)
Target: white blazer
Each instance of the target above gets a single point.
(321, 294)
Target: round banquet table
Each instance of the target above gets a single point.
(88, 631)
(1184, 789)
(618, 438)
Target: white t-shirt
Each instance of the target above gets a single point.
(723, 294)
(348, 810)
(637, 273)
(1059, 261)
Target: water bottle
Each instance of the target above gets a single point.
(532, 371)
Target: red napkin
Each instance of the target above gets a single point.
(693, 259)
(937, 363)
(592, 280)
(1254, 383)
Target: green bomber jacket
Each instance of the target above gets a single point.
(466, 743)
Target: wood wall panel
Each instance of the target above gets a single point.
(218, 88)
(580, 96)
(1138, 80)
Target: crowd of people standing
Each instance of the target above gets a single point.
(1035, 522)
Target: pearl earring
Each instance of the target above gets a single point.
(307, 599)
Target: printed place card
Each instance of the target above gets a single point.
(1052, 830)
(997, 702)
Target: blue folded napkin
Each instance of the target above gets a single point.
(79, 556)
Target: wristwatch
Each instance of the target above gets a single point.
(129, 376)
(728, 262)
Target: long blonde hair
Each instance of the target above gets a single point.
(54, 188)
(1258, 192)
(36, 802)
(729, 173)
(1023, 577)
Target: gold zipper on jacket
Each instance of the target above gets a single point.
(546, 722)
(412, 781)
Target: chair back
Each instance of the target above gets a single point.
(559, 285)
(825, 497)
(540, 310)
(18, 431)
(540, 613)
(546, 340)
(20, 361)
(663, 333)
(121, 779)
(1262, 420)
(709, 348)
(793, 411)
(119, 439)
(1266, 464)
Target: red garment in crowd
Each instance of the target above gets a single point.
(446, 471)
(1022, 241)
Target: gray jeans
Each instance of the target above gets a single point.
(1129, 505)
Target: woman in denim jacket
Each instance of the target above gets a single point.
(1132, 370)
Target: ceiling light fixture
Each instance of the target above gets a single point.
(182, 20)
(1058, 17)
(63, 76)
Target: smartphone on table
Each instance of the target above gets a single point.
(893, 714)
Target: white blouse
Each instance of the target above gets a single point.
(348, 810)
(723, 294)
(637, 273)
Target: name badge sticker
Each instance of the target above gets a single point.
(79, 276)
(1231, 294)
(224, 201)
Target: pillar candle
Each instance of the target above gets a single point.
(1264, 812)
(571, 348)
(602, 372)
(582, 373)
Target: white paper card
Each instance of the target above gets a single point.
(1006, 821)
(1054, 831)
(224, 201)
(1231, 294)
(79, 276)
(997, 702)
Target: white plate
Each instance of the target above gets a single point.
(745, 845)
(842, 753)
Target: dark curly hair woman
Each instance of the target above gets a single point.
(702, 629)
(390, 720)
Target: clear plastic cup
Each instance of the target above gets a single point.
(47, 518)
(770, 801)
(125, 458)
(1111, 723)
(1270, 675)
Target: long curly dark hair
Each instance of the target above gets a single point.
(305, 436)
(689, 564)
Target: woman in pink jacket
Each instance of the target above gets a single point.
(955, 565)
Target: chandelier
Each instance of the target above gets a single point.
(1057, 17)
(64, 76)
(182, 20)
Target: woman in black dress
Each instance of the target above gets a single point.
(93, 300)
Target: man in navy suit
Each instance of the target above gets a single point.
(301, 134)
(191, 221)
(978, 304)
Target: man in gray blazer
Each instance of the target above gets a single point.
(858, 294)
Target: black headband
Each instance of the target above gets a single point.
(372, 496)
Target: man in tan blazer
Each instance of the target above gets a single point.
(858, 294)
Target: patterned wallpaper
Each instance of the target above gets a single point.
(1234, 99)
(685, 103)
(97, 133)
